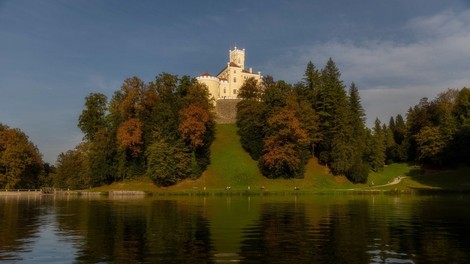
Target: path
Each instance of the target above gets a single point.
(397, 180)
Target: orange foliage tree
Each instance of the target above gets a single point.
(283, 145)
(193, 124)
(129, 136)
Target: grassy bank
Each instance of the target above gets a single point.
(232, 166)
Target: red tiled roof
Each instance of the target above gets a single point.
(207, 74)
(232, 64)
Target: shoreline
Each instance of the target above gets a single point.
(143, 194)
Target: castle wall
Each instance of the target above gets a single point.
(226, 111)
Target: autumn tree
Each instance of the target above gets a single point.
(127, 109)
(20, 161)
(284, 144)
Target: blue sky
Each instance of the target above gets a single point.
(54, 53)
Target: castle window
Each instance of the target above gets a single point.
(234, 79)
(234, 71)
(234, 91)
(225, 90)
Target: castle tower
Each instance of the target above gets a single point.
(226, 84)
(238, 57)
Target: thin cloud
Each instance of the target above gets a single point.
(394, 74)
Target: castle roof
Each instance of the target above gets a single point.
(233, 64)
(206, 74)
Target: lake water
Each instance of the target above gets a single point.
(245, 229)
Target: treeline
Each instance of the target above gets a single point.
(161, 129)
(436, 133)
(283, 125)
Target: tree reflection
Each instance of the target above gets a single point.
(19, 222)
(286, 234)
(139, 231)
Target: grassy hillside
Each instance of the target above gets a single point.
(232, 166)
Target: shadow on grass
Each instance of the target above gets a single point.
(444, 180)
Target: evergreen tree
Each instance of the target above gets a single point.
(311, 83)
(377, 160)
(334, 112)
(359, 170)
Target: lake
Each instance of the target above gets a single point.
(246, 229)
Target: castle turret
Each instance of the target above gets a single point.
(212, 83)
(238, 57)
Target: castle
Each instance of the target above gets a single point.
(227, 82)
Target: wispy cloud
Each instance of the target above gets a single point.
(393, 74)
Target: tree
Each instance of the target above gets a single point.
(250, 118)
(311, 83)
(20, 160)
(283, 145)
(331, 106)
(430, 144)
(72, 169)
(460, 145)
(250, 89)
(168, 163)
(359, 167)
(462, 107)
(250, 123)
(93, 116)
(193, 124)
(129, 136)
(102, 157)
(377, 158)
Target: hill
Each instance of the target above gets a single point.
(232, 166)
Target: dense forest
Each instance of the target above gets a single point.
(283, 125)
(163, 130)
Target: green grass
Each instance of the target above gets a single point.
(232, 166)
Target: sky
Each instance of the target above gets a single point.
(54, 53)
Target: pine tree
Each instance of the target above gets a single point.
(359, 170)
(311, 83)
(377, 161)
(334, 112)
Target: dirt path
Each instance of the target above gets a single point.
(397, 180)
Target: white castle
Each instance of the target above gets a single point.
(227, 82)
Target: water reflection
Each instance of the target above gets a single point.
(278, 229)
(138, 231)
(19, 222)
